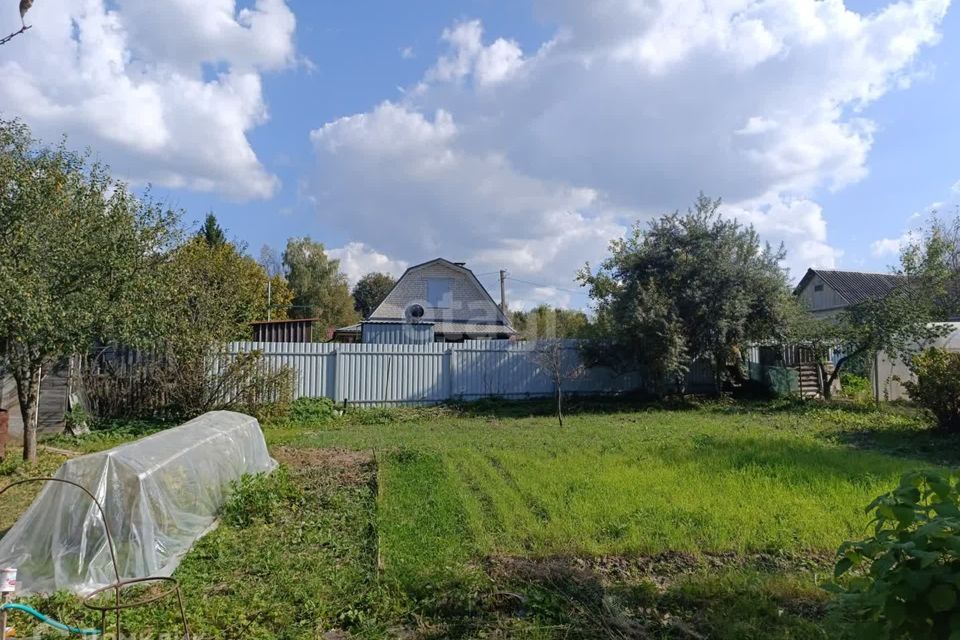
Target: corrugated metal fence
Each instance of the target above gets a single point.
(392, 374)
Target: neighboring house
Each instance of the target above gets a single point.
(437, 301)
(825, 292)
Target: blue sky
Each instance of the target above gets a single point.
(517, 135)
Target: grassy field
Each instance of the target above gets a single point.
(716, 520)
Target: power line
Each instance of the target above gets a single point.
(548, 286)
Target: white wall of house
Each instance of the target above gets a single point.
(466, 300)
(890, 372)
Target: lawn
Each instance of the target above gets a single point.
(490, 520)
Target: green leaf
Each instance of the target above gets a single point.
(843, 565)
(942, 597)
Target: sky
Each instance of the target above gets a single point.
(517, 135)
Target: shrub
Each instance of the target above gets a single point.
(856, 387)
(904, 579)
(313, 411)
(937, 388)
(260, 498)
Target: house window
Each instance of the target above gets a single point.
(818, 287)
(438, 292)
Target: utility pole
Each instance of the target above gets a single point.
(503, 291)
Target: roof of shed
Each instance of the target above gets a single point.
(854, 286)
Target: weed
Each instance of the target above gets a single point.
(313, 411)
(260, 498)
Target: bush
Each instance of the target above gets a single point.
(856, 387)
(937, 388)
(313, 411)
(904, 579)
(263, 497)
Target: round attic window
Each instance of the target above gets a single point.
(414, 312)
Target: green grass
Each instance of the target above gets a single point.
(716, 520)
(623, 483)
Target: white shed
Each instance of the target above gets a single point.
(889, 372)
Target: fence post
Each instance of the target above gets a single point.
(336, 376)
(450, 373)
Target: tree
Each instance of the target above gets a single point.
(560, 363)
(686, 287)
(544, 321)
(279, 294)
(319, 288)
(214, 293)
(935, 251)
(80, 261)
(211, 232)
(370, 291)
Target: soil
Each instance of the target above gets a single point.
(344, 467)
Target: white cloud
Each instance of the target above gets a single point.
(891, 246)
(948, 208)
(407, 53)
(166, 92)
(533, 160)
(488, 64)
(357, 260)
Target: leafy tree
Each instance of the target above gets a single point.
(370, 291)
(211, 232)
(80, 261)
(936, 253)
(215, 293)
(279, 294)
(320, 290)
(685, 287)
(544, 321)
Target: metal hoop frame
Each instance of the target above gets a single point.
(119, 585)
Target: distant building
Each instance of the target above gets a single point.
(437, 301)
(826, 292)
(297, 330)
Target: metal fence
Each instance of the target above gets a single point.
(395, 374)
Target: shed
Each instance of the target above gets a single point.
(296, 330)
(890, 372)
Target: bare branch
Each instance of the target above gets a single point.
(13, 35)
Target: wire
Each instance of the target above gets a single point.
(548, 286)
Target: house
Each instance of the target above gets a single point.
(825, 292)
(437, 301)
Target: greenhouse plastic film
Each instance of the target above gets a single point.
(160, 495)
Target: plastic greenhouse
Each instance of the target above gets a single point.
(160, 495)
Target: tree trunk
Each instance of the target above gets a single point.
(560, 405)
(28, 393)
(718, 365)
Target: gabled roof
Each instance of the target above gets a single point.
(854, 286)
(456, 266)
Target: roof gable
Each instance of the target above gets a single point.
(854, 286)
(405, 292)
